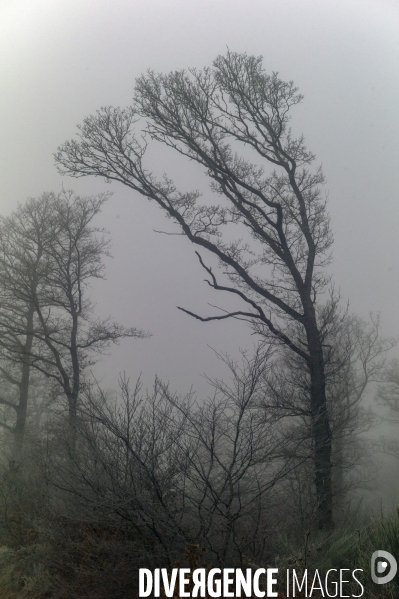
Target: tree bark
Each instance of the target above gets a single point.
(321, 430)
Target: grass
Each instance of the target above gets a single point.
(347, 547)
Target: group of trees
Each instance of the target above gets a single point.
(160, 475)
(49, 254)
(269, 193)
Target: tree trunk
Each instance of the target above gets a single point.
(74, 393)
(19, 430)
(338, 478)
(322, 438)
(72, 421)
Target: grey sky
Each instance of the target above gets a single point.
(60, 61)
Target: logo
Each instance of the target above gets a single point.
(380, 572)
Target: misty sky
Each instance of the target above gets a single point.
(61, 60)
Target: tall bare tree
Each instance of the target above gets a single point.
(50, 253)
(23, 237)
(270, 191)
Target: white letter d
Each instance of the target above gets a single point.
(144, 574)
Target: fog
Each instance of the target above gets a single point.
(62, 61)
(59, 63)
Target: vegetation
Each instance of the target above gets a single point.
(263, 471)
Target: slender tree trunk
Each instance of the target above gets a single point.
(72, 421)
(338, 479)
(73, 395)
(19, 430)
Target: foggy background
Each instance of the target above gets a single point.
(60, 61)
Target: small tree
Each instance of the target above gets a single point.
(233, 453)
(388, 396)
(356, 361)
(51, 252)
(178, 470)
(269, 190)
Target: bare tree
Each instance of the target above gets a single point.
(388, 393)
(23, 237)
(206, 116)
(50, 253)
(388, 396)
(233, 453)
(180, 471)
(356, 361)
